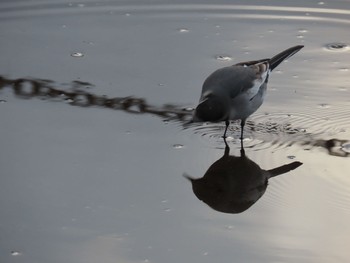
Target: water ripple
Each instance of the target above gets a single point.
(260, 12)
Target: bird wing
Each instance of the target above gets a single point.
(261, 70)
(246, 77)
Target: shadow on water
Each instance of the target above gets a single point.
(27, 88)
(233, 184)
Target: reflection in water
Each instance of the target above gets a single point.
(77, 95)
(233, 184)
(44, 89)
(334, 147)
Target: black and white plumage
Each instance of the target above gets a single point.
(236, 92)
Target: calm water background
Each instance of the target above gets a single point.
(93, 184)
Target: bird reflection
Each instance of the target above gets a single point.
(233, 184)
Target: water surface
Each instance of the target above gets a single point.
(94, 97)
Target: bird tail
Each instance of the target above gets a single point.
(276, 60)
(284, 168)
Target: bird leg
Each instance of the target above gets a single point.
(242, 128)
(227, 148)
(227, 123)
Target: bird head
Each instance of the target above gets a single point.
(211, 108)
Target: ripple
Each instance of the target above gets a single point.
(338, 47)
(309, 128)
(24, 9)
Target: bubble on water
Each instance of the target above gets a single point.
(3, 101)
(337, 46)
(321, 3)
(229, 227)
(302, 30)
(77, 55)
(15, 253)
(89, 43)
(346, 147)
(178, 146)
(324, 106)
(271, 31)
(188, 109)
(229, 138)
(223, 57)
(291, 157)
(183, 30)
(300, 36)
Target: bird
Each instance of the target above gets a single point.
(236, 92)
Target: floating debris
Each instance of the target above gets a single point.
(15, 253)
(178, 146)
(183, 30)
(223, 58)
(77, 55)
(324, 106)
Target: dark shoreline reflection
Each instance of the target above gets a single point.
(27, 88)
(76, 95)
(233, 184)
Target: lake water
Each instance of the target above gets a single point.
(95, 150)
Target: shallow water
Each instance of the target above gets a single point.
(94, 100)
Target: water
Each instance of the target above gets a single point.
(94, 103)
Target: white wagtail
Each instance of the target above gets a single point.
(235, 92)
